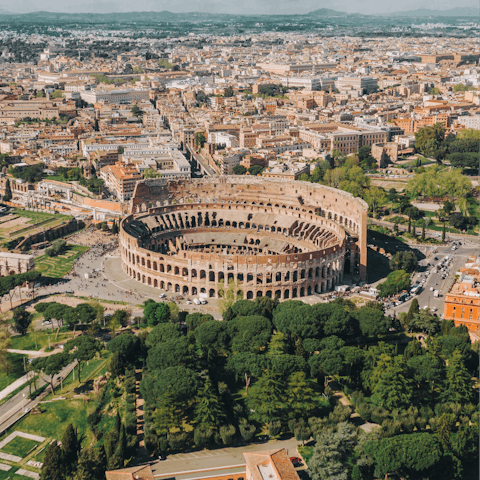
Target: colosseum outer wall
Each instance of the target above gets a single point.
(316, 267)
(338, 205)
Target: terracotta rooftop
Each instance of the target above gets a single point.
(269, 465)
(142, 472)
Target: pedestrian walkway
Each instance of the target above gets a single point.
(16, 384)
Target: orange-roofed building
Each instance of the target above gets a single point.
(270, 465)
(462, 302)
(263, 465)
(143, 472)
(121, 179)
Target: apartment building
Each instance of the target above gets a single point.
(248, 138)
(127, 95)
(361, 84)
(469, 121)
(121, 179)
(462, 302)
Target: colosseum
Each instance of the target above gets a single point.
(271, 237)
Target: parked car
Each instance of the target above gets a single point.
(297, 461)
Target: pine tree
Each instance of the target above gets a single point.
(8, 191)
(412, 311)
(409, 225)
(391, 388)
(70, 450)
(458, 386)
(208, 410)
(423, 231)
(443, 233)
(118, 422)
(91, 464)
(52, 468)
(122, 443)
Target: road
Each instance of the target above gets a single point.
(19, 405)
(204, 167)
(426, 298)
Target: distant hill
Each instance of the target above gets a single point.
(327, 12)
(82, 17)
(426, 12)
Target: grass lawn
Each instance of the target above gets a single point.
(10, 474)
(38, 217)
(20, 446)
(306, 453)
(38, 340)
(95, 368)
(57, 267)
(55, 418)
(16, 362)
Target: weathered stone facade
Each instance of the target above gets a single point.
(13, 263)
(271, 237)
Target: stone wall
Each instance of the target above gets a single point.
(51, 234)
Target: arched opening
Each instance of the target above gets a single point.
(211, 294)
(185, 290)
(249, 295)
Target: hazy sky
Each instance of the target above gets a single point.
(230, 6)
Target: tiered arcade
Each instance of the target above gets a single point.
(270, 237)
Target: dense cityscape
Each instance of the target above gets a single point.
(239, 247)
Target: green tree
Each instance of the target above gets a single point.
(267, 398)
(57, 94)
(229, 295)
(52, 468)
(70, 449)
(92, 464)
(300, 394)
(22, 320)
(458, 387)
(330, 453)
(396, 281)
(404, 454)
(200, 139)
(413, 310)
(8, 191)
(128, 348)
(372, 321)
(50, 366)
(83, 349)
(239, 170)
(390, 384)
(5, 345)
(209, 412)
(255, 170)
